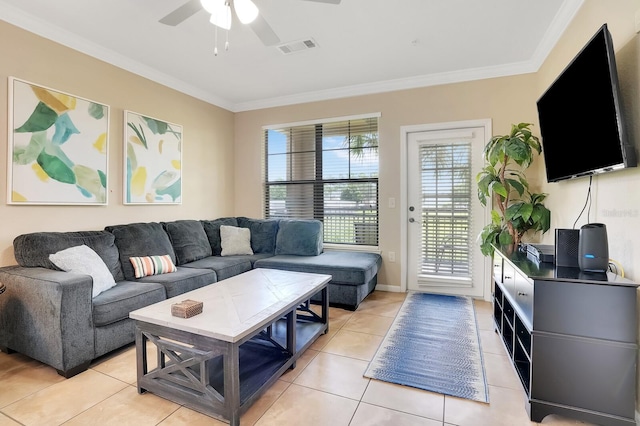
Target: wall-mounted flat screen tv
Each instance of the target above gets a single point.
(581, 123)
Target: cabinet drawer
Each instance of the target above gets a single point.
(584, 373)
(508, 279)
(603, 312)
(497, 268)
(524, 298)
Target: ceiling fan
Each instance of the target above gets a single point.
(246, 11)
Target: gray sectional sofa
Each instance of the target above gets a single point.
(51, 315)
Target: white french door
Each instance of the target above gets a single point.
(444, 216)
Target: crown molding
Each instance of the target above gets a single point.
(44, 29)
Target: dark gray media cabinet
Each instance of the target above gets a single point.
(571, 336)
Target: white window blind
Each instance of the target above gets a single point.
(326, 171)
(446, 209)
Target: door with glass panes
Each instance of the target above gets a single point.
(444, 214)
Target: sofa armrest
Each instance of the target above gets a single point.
(47, 315)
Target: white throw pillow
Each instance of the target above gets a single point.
(83, 260)
(235, 240)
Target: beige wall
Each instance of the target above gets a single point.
(207, 150)
(498, 99)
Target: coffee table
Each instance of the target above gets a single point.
(252, 329)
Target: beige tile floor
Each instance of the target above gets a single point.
(327, 386)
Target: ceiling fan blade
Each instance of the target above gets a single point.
(327, 1)
(183, 12)
(264, 31)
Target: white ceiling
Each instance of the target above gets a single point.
(364, 46)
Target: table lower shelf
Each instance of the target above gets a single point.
(193, 373)
(260, 360)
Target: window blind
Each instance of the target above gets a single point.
(325, 171)
(446, 209)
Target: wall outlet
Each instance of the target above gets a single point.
(392, 256)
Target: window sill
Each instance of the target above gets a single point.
(352, 247)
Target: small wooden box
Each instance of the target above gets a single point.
(186, 308)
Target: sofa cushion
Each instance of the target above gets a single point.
(212, 229)
(116, 303)
(235, 240)
(263, 233)
(227, 266)
(302, 237)
(138, 240)
(83, 260)
(345, 267)
(32, 250)
(183, 280)
(189, 240)
(152, 265)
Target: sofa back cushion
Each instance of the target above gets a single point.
(189, 240)
(212, 229)
(33, 249)
(263, 233)
(138, 240)
(302, 237)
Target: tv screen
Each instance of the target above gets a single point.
(581, 124)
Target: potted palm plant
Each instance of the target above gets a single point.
(516, 210)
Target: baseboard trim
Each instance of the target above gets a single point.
(391, 288)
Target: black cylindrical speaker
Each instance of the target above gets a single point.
(593, 248)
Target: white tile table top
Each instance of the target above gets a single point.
(237, 306)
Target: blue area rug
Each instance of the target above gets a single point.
(433, 344)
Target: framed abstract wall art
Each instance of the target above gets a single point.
(153, 160)
(58, 147)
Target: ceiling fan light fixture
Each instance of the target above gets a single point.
(221, 15)
(246, 10)
(211, 5)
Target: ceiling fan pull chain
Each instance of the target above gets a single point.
(226, 43)
(215, 49)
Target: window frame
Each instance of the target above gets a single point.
(319, 183)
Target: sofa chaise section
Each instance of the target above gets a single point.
(299, 248)
(354, 274)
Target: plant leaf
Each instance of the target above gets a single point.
(525, 211)
(518, 150)
(498, 188)
(495, 218)
(505, 238)
(516, 185)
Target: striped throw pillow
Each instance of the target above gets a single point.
(152, 265)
